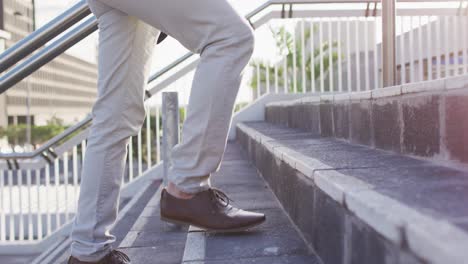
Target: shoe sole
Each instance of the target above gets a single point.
(210, 230)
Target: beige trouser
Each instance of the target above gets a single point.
(127, 36)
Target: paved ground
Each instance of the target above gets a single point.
(276, 241)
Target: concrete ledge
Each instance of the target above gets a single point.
(428, 86)
(387, 92)
(349, 216)
(256, 111)
(423, 119)
(439, 85)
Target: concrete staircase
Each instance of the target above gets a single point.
(373, 177)
(277, 241)
(368, 178)
(146, 239)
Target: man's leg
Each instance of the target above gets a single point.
(225, 43)
(125, 48)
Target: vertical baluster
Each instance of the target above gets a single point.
(303, 57)
(402, 52)
(366, 54)
(158, 139)
(57, 192)
(464, 54)
(463, 29)
(75, 175)
(148, 137)
(258, 81)
(12, 211)
(447, 47)
(139, 154)
(285, 61)
(348, 53)
(358, 56)
(330, 56)
(438, 48)
(294, 50)
(340, 72)
(376, 62)
(267, 77)
(30, 218)
(322, 82)
(455, 42)
(312, 57)
(65, 187)
(130, 160)
(47, 201)
(83, 150)
(429, 49)
(2, 207)
(19, 186)
(411, 52)
(420, 50)
(39, 204)
(276, 78)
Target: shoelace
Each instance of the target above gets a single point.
(221, 197)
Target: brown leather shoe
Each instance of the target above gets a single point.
(209, 210)
(114, 257)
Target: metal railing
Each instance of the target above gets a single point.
(321, 50)
(329, 51)
(432, 46)
(40, 197)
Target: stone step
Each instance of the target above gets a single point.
(150, 240)
(426, 119)
(355, 204)
(277, 241)
(127, 218)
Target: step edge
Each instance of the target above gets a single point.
(439, 85)
(397, 228)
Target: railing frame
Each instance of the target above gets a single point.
(79, 10)
(44, 34)
(171, 134)
(388, 43)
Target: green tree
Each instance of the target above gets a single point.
(16, 134)
(286, 48)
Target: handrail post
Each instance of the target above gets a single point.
(388, 43)
(170, 124)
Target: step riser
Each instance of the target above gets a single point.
(427, 124)
(337, 236)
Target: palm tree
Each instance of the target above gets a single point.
(286, 48)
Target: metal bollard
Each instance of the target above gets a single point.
(170, 125)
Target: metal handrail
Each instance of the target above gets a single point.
(41, 58)
(47, 54)
(49, 144)
(40, 37)
(76, 35)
